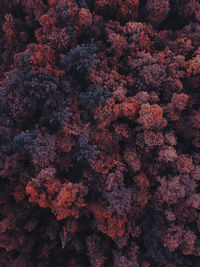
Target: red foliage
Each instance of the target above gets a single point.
(132, 158)
(170, 190)
(185, 164)
(157, 10)
(99, 133)
(122, 10)
(68, 200)
(151, 116)
(108, 223)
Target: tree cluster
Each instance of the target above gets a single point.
(99, 133)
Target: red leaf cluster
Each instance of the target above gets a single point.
(99, 133)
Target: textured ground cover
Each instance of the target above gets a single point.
(99, 133)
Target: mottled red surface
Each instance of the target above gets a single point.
(99, 133)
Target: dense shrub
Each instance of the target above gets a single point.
(99, 133)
